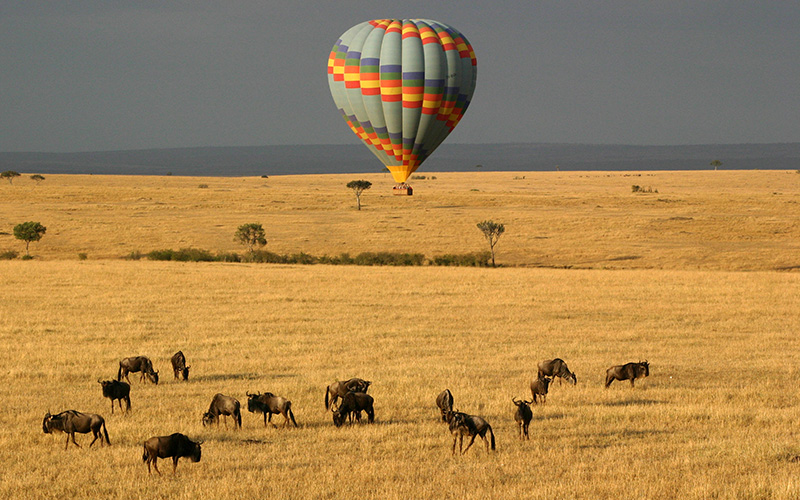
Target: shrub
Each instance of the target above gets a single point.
(228, 257)
(82, 256)
(27, 257)
(182, 255)
(8, 255)
(641, 189)
(203, 186)
(389, 259)
(134, 255)
(477, 259)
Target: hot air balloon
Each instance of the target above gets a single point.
(402, 85)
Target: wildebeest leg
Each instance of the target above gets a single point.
(155, 465)
(455, 439)
(71, 436)
(270, 421)
(632, 381)
(174, 464)
(96, 433)
(470, 444)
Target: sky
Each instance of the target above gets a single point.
(106, 75)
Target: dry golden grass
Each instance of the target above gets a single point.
(736, 220)
(718, 417)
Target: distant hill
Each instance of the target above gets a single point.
(316, 159)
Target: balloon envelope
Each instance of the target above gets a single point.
(402, 85)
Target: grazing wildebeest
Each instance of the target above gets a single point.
(628, 371)
(176, 445)
(223, 405)
(354, 402)
(69, 422)
(137, 364)
(539, 389)
(341, 387)
(179, 367)
(270, 404)
(523, 416)
(557, 368)
(445, 403)
(114, 389)
(462, 424)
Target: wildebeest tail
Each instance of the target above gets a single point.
(119, 373)
(105, 432)
(327, 405)
(290, 412)
(492, 434)
(145, 455)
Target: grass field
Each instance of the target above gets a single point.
(719, 416)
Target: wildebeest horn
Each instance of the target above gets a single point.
(99, 381)
(514, 399)
(249, 395)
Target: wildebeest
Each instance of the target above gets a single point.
(223, 405)
(71, 421)
(354, 402)
(556, 368)
(523, 416)
(175, 445)
(539, 389)
(628, 371)
(270, 404)
(137, 364)
(179, 367)
(445, 403)
(462, 424)
(341, 387)
(114, 389)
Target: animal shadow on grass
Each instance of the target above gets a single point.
(609, 439)
(227, 376)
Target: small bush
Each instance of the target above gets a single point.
(134, 255)
(203, 186)
(182, 255)
(477, 259)
(389, 259)
(642, 189)
(8, 255)
(27, 257)
(82, 256)
(228, 257)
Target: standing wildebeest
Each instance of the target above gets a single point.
(445, 403)
(354, 402)
(114, 389)
(539, 389)
(223, 405)
(69, 422)
(341, 387)
(628, 371)
(137, 364)
(523, 416)
(179, 367)
(462, 424)
(268, 404)
(176, 445)
(557, 368)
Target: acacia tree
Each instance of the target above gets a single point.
(37, 177)
(9, 175)
(491, 231)
(359, 187)
(716, 164)
(252, 235)
(29, 231)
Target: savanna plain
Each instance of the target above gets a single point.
(699, 278)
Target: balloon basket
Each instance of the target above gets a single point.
(402, 190)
